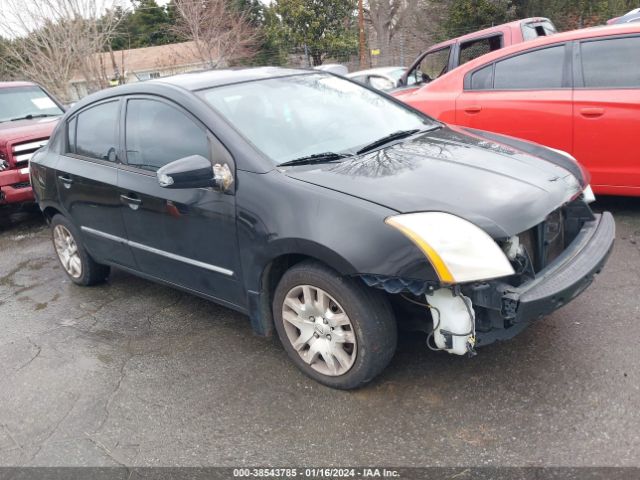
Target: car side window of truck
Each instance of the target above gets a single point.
(478, 47)
(606, 63)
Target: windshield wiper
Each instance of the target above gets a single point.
(35, 115)
(391, 137)
(315, 158)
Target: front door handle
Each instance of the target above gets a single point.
(592, 112)
(133, 201)
(473, 109)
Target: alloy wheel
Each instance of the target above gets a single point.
(319, 330)
(67, 251)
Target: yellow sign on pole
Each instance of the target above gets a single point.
(375, 51)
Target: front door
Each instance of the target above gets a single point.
(184, 236)
(87, 177)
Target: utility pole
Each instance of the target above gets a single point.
(363, 56)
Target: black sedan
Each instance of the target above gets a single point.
(322, 209)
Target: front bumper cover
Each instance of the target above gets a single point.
(559, 283)
(14, 186)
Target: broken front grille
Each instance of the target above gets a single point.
(545, 241)
(22, 152)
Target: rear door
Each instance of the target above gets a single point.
(184, 236)
(527, 95)
(87, 177)
(607, 112)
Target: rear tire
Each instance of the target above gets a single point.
(335, 329)
(73, 257)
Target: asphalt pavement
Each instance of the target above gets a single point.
(133, 373)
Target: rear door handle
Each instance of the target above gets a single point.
(131, 200)
(592, 112)
(66, 180)
(473, 109)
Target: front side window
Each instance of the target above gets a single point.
(295, 116)
(157, 134)
(476, 48)
(432, 66)
(536, 70)
(609, 63)
(96, 133)
(17, 103)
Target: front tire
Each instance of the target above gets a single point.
(73, 257)
(335, 329)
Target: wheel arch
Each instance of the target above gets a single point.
(284, 256)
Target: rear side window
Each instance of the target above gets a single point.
(477, 48)
(612, 63)
(482, 79)
(537, 70)
(157, 134)
(96, 132)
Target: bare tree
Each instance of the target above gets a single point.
(53, 41)
(387, 17)
(220, 32)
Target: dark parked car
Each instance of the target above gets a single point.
(321, 208)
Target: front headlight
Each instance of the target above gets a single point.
(457, 249)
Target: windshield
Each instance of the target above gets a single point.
(18, 102)
(302, 115)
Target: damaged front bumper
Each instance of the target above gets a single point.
(505, 310)
(15, 186)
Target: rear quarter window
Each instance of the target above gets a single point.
(482, 79)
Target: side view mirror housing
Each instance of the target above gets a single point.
(194, 171)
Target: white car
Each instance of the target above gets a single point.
(383, 78)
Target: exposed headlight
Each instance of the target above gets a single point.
(458, 250)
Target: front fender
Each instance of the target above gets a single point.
(278, 215)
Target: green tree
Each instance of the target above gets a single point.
(148, 24)
(467, 16)
(322, 27)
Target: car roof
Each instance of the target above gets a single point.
(17, 84)
(584, 33)
(372, 71)
(214, 78)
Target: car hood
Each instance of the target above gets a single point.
(502, 189)
(14, 132)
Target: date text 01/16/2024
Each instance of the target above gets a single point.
(312, 473)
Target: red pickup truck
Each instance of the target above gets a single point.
(28, 115)
(446, 56)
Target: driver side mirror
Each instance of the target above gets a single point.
(195, 171)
